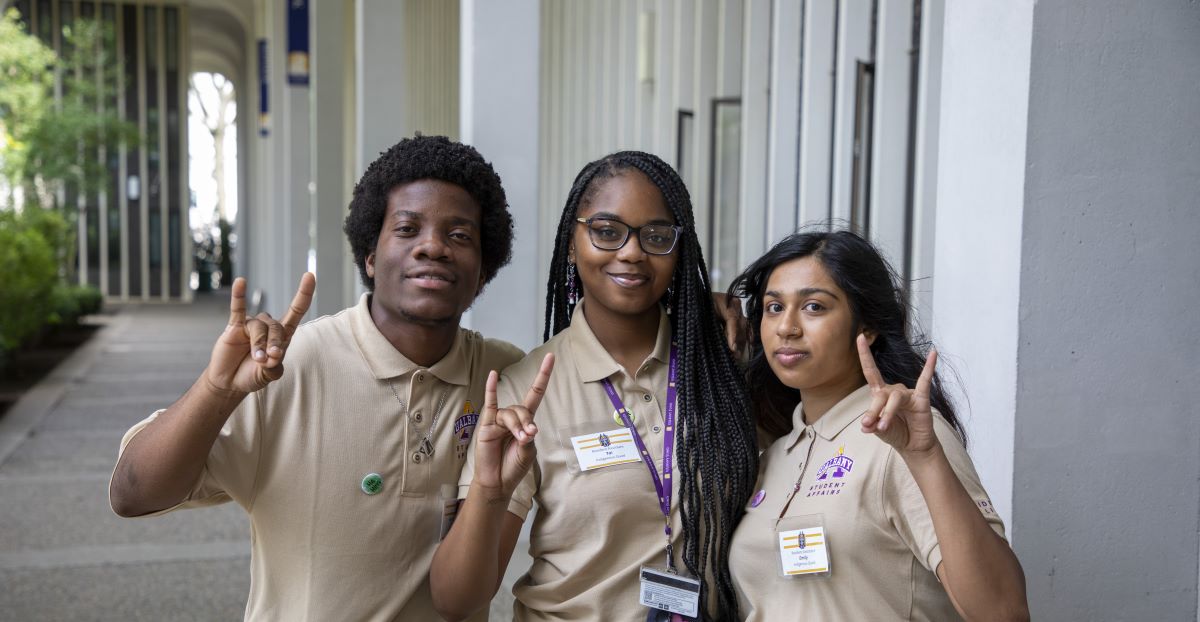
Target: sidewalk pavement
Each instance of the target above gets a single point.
(63, 554)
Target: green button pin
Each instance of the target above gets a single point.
(372, 483)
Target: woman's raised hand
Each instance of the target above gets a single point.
(898, 415)
(504, 450)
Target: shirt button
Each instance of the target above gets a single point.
(646, 397)
(418, 417)
(416, 457)
(420, 377)
(656, 429)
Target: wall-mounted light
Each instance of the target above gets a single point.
(646, 47)
(133, 188)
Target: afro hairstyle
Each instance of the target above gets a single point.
(430, 157)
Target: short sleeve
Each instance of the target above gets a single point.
(232, 464)
(522, 498)
(906, 505)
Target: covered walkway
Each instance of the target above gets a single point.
(63, 554)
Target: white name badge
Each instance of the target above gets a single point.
(598, 450)
(669, 592)
(803, 552)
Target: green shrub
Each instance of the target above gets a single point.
(28, 274)
(90, 299)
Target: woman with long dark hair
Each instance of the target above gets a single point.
(642, 451)
(881, 520)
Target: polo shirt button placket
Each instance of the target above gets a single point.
(416, 457)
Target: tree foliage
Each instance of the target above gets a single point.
(47, 144)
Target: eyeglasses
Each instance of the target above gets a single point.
(608, 234)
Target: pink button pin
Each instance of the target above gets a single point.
(758, 498)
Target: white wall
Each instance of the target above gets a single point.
(984, 102)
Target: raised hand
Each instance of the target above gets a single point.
(504, 449)
(899, 416)
(249, 353)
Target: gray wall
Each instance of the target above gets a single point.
(1107, 431)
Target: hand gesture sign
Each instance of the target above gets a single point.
(249, 354)
(504, 451)
(898, 415)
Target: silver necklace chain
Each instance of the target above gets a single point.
(426, 446)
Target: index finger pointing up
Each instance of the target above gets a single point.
(870, 371)
(926, 380)
(237, 302)
(300, 303)
(537, 390)
(488, 416)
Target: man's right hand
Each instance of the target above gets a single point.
(249, 354)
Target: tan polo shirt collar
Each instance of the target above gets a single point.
(833, 422)
(593, 362)
(387, 362)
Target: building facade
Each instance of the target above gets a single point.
(1029, 167)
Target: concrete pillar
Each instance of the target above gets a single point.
(329, 200)
(499, 93)
(295, 197)
(380, 80)
(985, 97)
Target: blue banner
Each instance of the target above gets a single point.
(264, 108)
(297, 42)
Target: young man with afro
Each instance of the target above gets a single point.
(347, 459)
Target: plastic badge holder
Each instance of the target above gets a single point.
(802, 547)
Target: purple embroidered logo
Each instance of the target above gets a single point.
(464, 426)
(836, 467)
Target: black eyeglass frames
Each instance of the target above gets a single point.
(609, 234)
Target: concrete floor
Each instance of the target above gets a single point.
(63, 554)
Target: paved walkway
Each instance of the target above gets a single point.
(63, 554)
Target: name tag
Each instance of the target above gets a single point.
(803, 552)
(670, 592)
(602, 449)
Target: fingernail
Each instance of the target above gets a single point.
(520, 435)
(275, 349)
(258, 354)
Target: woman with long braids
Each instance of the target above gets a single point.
(642, 450)
(883, 520)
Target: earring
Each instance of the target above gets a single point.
(670, 299)
(572, 295)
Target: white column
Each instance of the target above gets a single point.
(783, 139)
(756, 131)
(295, 209)
(499, 95)
(328, 58)
(981, 186)
(379, 79)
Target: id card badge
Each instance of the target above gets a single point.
(449, 502)
(600, 447)
(669, 592)
(802, 546)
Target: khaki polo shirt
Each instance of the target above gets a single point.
(593, 530)
(882, 546)
(295, 454)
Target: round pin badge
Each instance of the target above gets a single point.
(758, 498)
(372, 483)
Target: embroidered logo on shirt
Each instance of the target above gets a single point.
(835, 468)
(464, 426)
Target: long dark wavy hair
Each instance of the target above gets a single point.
(877, 301)
(716, 451)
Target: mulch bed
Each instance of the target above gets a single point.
(28, 365)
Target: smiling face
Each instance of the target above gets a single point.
(808, 330)
(426, 263)
(627, 281)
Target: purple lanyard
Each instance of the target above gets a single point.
(663, 485)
